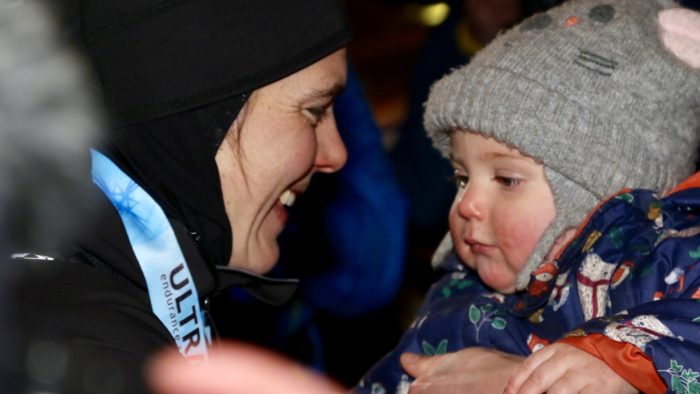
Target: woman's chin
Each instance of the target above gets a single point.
(260, 260)
(265, 259)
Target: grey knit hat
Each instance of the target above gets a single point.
(589, 90)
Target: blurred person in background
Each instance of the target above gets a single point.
(48, 120)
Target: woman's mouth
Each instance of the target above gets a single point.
(287, 198)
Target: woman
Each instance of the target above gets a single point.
(223, 112)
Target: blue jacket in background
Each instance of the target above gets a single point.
(347, 237)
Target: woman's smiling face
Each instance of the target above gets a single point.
(284, 134)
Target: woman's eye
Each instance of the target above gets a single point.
(460, 181)
(507, 182)
(318, 113)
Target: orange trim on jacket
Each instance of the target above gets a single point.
(625, 359)
(691, 182)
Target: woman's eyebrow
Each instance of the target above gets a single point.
(332, 91)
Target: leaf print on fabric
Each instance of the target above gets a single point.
(616, 236)
(499, 323)
(483, 314)
(474, 314)
(377, 388)
(626, 197)
(446, 292)
(458, 282)
(695, 254)
(639, 249)
(646, 270)
(683, 381)
(430, 350)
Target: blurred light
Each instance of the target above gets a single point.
(428, 15)
(46, 362)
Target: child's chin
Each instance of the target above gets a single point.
(499, 285)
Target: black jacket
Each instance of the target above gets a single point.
(85, 320)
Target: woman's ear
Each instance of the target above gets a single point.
(680, 34)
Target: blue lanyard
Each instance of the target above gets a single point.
(171, 289)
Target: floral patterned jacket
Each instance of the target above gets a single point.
(626, 289)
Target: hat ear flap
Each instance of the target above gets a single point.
(680, 34)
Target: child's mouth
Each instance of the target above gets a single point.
(479, 248)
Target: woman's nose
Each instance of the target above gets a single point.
(471, 203)
(331, 154)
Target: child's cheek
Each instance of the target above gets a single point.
(519, 233)
(457, 228)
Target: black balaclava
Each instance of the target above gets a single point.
(173, 159)
(175, 75)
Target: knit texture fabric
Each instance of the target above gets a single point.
(587, 89)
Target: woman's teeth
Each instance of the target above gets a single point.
(287, 198)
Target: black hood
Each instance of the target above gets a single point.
(156, 58)
(172, 158)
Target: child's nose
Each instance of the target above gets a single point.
(471, 203)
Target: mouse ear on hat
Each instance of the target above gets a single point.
(680, 33)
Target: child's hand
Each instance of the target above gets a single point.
(562, 368)
(472, 370)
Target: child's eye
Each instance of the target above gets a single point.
(507, 182)
(460, 181)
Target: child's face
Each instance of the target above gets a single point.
(502, 208)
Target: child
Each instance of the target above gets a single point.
(556, 114)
